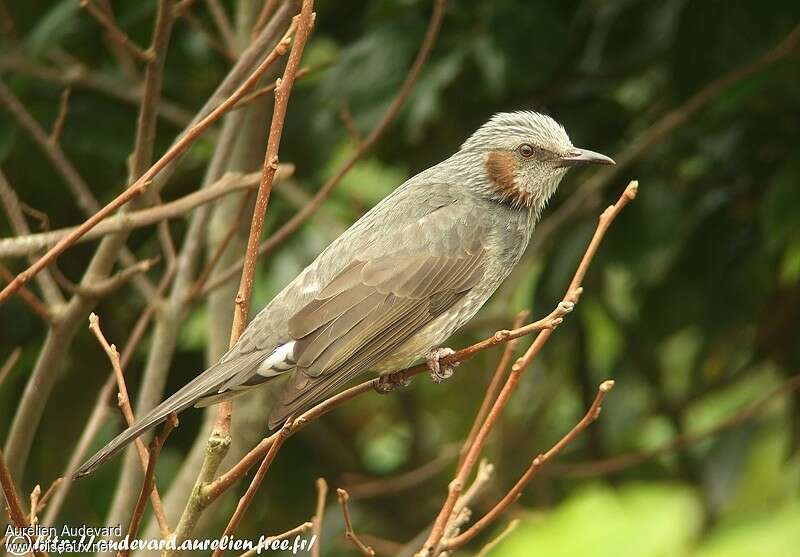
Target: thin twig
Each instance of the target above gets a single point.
(386, 486)
(148, 484)
(16, 217)
(319, 514)
(61, 117)
(77, 75)
(10, 362)
(44, 499)
(348, 525)
(258, 477)
(13, 504)
(115, 32)
(486, 549)
(494, 386)
(264, 545)
(591, 415)
(625, 460)
(33, 301)
(270, 87)
(124, 404)
(223, 24)
(263, 16)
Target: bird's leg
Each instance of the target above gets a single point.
(390, 382)
(440, 371)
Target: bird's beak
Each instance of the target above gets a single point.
(580, 157)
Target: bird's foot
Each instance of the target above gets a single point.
(390, 382)
(440, 371)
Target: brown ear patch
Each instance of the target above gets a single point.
(501, 167)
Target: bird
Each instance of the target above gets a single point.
(395, 285)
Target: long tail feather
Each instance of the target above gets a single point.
(204, 384)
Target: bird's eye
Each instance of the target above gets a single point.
(526, 150)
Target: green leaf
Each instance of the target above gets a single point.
(773, 534)
(641, 520)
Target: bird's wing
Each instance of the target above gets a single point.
(366, 312)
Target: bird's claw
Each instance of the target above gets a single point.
(440, 371)
(390, 382)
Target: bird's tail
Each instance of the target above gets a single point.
(203, 385)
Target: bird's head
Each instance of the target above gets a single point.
(523, 157)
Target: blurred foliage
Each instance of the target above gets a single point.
(692, 303)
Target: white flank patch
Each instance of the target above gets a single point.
(276, 363)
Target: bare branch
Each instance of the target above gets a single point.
(31, 243)
(264, 545)
(625, 460)
(61, 118)
(117, 34)
(223, 24)
(247, 498)
(494, 386)
(486, 549)
(124, 403)
(148, 485)
(591, 415)
(13, 504)
(319, 514)
(37, 305)
(78, 75)
(266, 12)
(10, 362)
(348, 525)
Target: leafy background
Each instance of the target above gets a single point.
(691, 305)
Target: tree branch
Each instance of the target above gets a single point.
(633, 458)
(124, 403)
(123, 222)
(13, 503)
(319, 514)
(148, 484)
(117, 34)
(591, 415)
(348, 525)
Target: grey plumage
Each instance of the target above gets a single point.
(399, 281)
